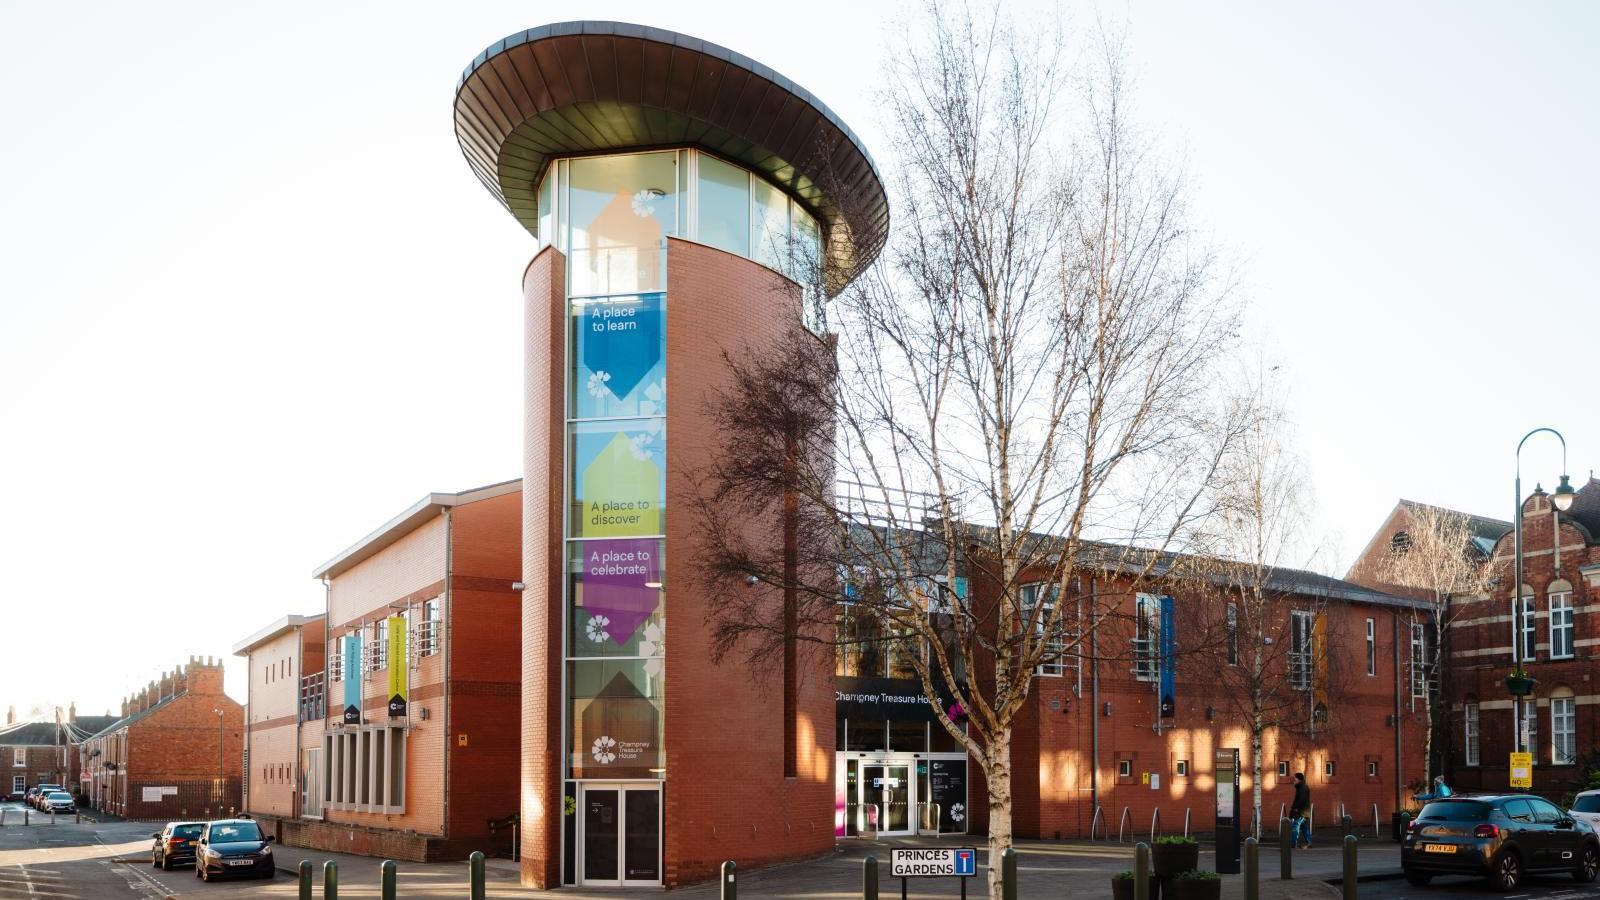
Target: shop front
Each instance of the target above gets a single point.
(899, 771)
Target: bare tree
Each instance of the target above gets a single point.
(1026, 369)
(1273, 664)
(1436, 558)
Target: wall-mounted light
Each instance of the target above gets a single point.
(517, 586)
(653, 585)
(1108, 707)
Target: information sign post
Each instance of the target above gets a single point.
(1228, 817)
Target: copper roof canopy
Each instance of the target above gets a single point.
(585, 87)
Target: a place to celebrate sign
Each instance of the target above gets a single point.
(912, 862)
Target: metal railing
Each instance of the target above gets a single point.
(1155, 822)
(1125, 819)
(1099, 819)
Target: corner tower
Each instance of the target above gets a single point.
(683, 197)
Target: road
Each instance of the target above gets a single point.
(89, 861)
(1554, 887)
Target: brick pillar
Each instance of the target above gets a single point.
(544, 356)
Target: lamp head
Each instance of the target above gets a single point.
(1564, 495)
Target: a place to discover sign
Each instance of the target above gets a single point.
(912, 862)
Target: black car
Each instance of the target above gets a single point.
(1502, 837)
(175, 844)
(229, 847)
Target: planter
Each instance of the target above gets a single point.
(1194, 889)
(1520, 685)
(1170, 859)
(1121, 888)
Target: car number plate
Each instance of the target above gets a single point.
(1438, 848)
(241, 862)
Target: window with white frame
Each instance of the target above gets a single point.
(336, 660)
(428, 628)
(378, 649)
(1469, 725)
(1529, 626)
(19, 784)
(1283, 769)
(1055, 645)
(1146, 638)
(19, 756)
(1300, 649)
(1233, 634)
(1560, 624)
(1530, 726)
(1372, 648)
(1563, 730)
(1419, 659)
(1181, 768)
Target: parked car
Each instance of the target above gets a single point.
(1502, 837)
(59, 802)
(41, 792)
(1586, 808)
(175, 844)
(231, 847)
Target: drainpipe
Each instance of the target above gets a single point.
(1395, 622)
(447, 620)
(1094, 705)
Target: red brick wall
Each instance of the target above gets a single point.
(1480, 657)
(727, 797)
(485, 657)
(544, 296)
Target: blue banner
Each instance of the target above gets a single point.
(1169, 652)
(352, 679)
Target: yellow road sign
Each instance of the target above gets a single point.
(1522, 770)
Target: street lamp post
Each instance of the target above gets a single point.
(1562, 500)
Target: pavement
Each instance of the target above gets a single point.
(110, 861)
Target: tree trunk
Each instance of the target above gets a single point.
(1255, 781)
(997, 772)
(1427, 739)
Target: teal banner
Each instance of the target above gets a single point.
(352, 679)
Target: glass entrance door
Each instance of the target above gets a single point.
(620, 841)
(887, 795)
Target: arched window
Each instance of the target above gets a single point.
(1559, 608)
(1563, 727)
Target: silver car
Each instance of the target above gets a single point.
(1586, 808)
(59, 802)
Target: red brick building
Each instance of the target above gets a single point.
(176, 750)
(426, 610)
(1561, 630)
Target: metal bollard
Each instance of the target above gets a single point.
(1252, 868)
(1285, 851)
(387, 871)
(1008, 874)
(1141, 871)
(1348, 882)
(729, 881)
(869, 878)
(25, 815)
(305, 879)
(476, 865)
(330, 880)
(1347, 825)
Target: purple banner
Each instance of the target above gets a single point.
(621, 583)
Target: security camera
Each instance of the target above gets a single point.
(751, 579)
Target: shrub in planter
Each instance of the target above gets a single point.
(1196, 884)
(1174, 854)
(1122, 885)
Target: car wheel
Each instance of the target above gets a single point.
(1419, 879)
(1589, 867)
(1507, 872)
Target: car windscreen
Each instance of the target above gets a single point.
(1589, 803)
(60, 795)
(187, 831)
(1455, 810)
(235, 831)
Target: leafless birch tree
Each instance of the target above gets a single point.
(1019, 389)
(1438, 560)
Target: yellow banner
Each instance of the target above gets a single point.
(1522, 770)
(398, 665)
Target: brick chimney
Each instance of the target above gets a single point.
(169, 684)
(124, 707)
(72, 712)
(204, 676)
(11, 715)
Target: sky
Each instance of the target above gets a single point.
(253, 303)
